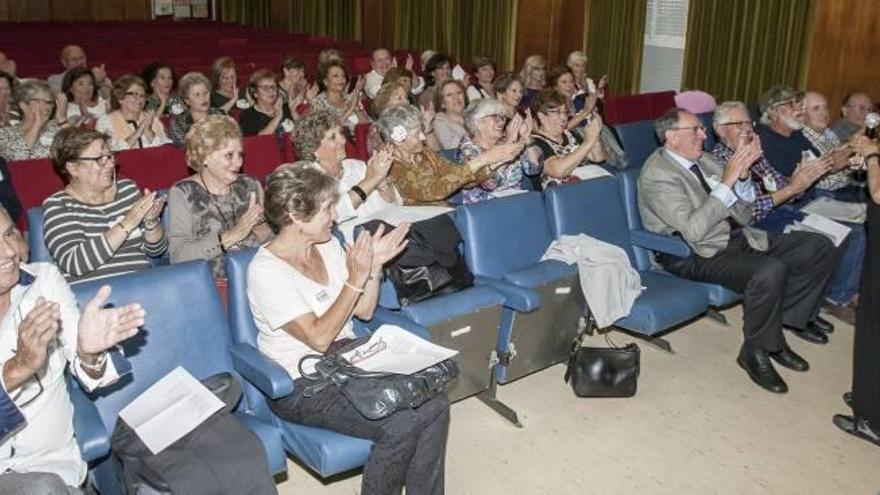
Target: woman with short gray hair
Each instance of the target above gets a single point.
(485, 121)
(304, 288)
(32, 136)
(420, 174)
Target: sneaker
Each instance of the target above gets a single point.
(843, 312)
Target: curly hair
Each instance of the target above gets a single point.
(74, 75)
(207, 136)
(310, 131)
(438, 95)
(324, 71)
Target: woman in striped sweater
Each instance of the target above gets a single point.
(98, 227)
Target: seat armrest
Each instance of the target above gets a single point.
(661, 243)
(384, 316)
(268, 376)
(91, 435)
(516, 298)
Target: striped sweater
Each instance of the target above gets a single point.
(74, 233)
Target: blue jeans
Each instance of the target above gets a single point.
(845, 280)
(844, 284)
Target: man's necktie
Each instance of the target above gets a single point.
(735, 227)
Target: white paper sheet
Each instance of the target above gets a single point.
(835, 231)
(842, 211)
(392, 349)
(170, 409)
(587, 172)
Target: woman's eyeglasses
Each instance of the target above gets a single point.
(100, 159)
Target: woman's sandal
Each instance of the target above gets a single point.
(857, 427)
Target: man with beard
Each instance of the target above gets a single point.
(780, 131)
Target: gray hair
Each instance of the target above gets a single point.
(478, 109)
(575, 55)
(666, 122)
(27, 89)
(407, 116)
(720, 116)
(189, 80)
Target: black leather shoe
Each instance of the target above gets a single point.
(787, 357)
(847, 399)
(810, 334)
(858, 427)
(822, 325)
(757, 364)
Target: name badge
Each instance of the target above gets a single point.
(322, 296)
(769, 183)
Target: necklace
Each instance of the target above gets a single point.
(225, 220)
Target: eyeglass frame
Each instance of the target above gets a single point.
(692, 128)
(105, 158)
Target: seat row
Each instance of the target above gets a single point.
(521, 316)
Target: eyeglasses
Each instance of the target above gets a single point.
(100, 160)
(693, 128)
(560, 112)
(747, 123)
(269, 88)
(135, 94)
(42, 100)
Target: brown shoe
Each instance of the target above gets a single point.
(843, 312)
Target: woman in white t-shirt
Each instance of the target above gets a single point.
(304, 288)
(364, 188)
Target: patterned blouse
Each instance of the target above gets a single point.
(13, 146)
(507, 178)
(196, 218)
(432, 179)
(826, 142)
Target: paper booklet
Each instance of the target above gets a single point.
(842, 211)
(835, 231)
(171, 408)
(392, 349)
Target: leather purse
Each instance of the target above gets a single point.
(603, 371)
(376, 395)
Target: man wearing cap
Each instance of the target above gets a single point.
(852, 121)
(685, 192)
(780, 129)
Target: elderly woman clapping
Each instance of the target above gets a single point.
(363, 187)
(485, 120)
(129, 125)
(218, 209)
(32, 136)
(420, 174)
(304, 287)
(195, 92)
(97, 226)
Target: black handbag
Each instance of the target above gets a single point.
(431, 264)
(376, 395)
(603, 371)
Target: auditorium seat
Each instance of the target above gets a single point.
(719, 296)
(34, 181)
(36, 238)
(504, 240)
(638, 140)
(706, 119)
(633, 108)
(262, 155)
(185, 327)
(594, 207)
(153, 168)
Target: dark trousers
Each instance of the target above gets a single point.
(781, 286)
(409, 447)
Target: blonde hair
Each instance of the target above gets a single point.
(207, 136)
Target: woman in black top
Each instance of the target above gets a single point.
(269, 113)
(865, 396)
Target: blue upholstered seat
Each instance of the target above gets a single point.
(185, 326)
(638, 141)
(594, 207)
(504, 240)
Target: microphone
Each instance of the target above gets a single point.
(872, 121)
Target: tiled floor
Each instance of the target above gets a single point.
(697, 425)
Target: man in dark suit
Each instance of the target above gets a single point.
(683, 191)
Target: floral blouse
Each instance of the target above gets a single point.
(507, 178)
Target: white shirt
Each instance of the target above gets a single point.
(97, 111)
(46, 443)
(372, 83)
(278, 294)
(741, 190)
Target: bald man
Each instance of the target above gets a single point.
(852, 120)
(73, 56)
